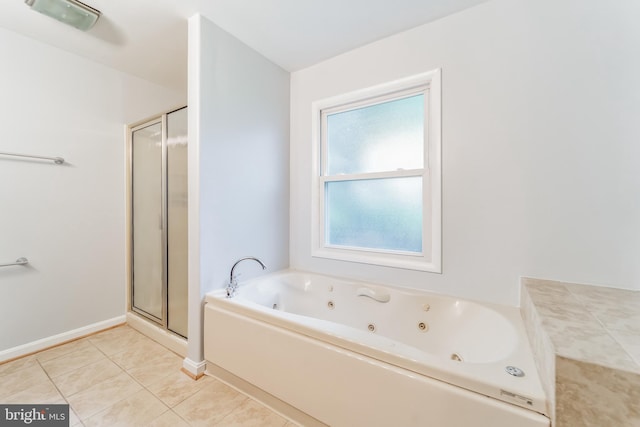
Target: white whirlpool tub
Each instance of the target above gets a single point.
(350, 353)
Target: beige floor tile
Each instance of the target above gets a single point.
(117, 340)
(136, 410)
(251, 413)
(21, 380)
(63, 349)
(85, 377)
(102, 395)
(156, 368)
(36, 393)
(72, 361)
(140, 354)
(101, 392)
(210, 405)
(18, 364)
(168, 419)
(74, 419)
(177, 387)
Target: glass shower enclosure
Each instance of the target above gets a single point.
(158, 212)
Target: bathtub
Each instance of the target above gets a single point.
(349, 353)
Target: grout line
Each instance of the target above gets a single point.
(126, 371)
(176, 404)
(228, 413)
(178, 415)
(602, 324)
(122, 370)
(62, 343)
(624, 348)
(583, 305)
(114, 403)
(79, 366)
(54, 384)
(26, 366)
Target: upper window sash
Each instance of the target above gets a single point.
(371, 101)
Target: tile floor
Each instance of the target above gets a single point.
(119, 377)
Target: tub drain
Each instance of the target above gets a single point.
(423, 327)
(330, 305)
(371, 327)
(516, 372)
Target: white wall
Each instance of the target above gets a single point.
(68, 220)
(540, 144)
(239, 164)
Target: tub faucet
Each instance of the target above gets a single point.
(233, 283)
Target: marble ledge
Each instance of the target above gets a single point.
(586, 342)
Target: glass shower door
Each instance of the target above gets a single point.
(177, 221)
(159, 266)
(147, 221)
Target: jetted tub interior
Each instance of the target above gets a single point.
(352, 353)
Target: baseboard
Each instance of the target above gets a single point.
(171, 341)
(193, 369)
(52, 341)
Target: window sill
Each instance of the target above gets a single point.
(406, 262)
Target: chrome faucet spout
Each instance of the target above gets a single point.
(233, 283)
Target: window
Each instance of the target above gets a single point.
(376, 183)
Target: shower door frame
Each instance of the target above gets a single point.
(153, 120)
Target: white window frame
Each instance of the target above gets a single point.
(429, 84)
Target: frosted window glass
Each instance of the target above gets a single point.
(377, 138)
(376, 213)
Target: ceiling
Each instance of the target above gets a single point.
(148, 38)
